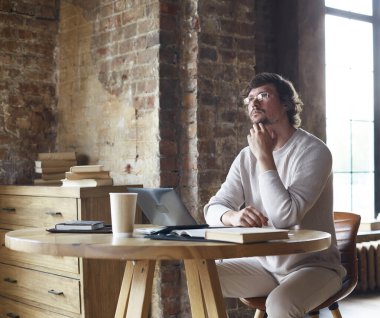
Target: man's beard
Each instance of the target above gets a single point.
(263, 120)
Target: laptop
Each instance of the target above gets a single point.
(163, 206)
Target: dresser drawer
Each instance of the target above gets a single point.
(14, 309)
(36, 211)
(57, 292)
(57, 263)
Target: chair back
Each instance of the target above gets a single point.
(346, 228)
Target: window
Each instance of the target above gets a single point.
(351, 117)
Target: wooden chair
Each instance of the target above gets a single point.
(346, 227)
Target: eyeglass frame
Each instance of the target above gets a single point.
(259, 97)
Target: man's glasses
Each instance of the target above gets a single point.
(259, 97)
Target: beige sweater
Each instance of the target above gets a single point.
(298, 195)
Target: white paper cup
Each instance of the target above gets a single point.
(123, 212)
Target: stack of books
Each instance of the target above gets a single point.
(369, 225)
(50, 167)
(87, 176)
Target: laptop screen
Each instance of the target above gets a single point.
(163, 206)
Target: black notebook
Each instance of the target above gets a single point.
(80, 225)
(106, 229)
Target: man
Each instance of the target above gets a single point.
(283, 178)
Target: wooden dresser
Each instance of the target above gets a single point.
(44, 286)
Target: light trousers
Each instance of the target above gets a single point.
(288, 296)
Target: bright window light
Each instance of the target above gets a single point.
(350, 106)
(357, 6)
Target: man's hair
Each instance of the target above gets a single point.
(286, 93)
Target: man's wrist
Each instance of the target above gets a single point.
(225, 218)
(266, 164)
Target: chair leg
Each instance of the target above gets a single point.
(336, 313)
(314, 314)
(334, 308)
(259, 313)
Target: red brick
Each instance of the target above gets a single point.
(106, 10)
(24, 8)
(167, 291)
(169, 179)
(172, 306)
(168, 8)
(130, 16)
(168, 148)
(6, 5)
(169, 163)
(47, 12)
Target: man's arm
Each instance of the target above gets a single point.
(225, 207)
(247, 217)
(262, 144)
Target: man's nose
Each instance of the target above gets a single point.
(256, 104)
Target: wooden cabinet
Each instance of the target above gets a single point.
(34, 286)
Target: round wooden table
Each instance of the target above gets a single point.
(141, 255)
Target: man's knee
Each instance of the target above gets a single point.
(282, 306)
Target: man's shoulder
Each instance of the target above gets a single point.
(309, 139)
(244, 157)
(311, 145)
(245, 153)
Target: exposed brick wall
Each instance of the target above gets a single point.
(27, 86)
(171, 128)
(226, 63)
(170, 121)
(179, 27)
(266, 41)
(227, 60)
(108, 84)
(188, 141)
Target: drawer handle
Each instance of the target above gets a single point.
(8, 210)
(53, 213)
(12, 315)
(10, 280)
(55, 292)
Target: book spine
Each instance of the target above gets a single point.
(87, 168)
(43, 182)
(87, 182)
(56, 155)
(55, 163)
(48, 170)
(87, 175)
(53, 176)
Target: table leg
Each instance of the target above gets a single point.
(212, 291)
(122, 303)
(194, 288)
(137, 289)
(141, 289)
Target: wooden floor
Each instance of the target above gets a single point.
(357, 306)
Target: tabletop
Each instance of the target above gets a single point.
(104, 246)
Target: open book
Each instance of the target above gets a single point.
(235, 234)
(172, 229)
